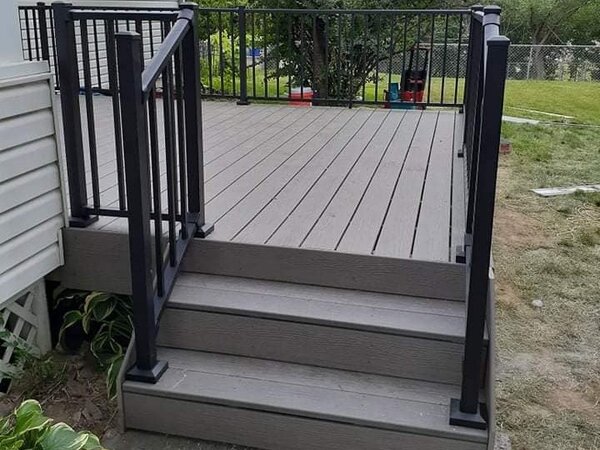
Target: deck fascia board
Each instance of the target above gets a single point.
(99, 260)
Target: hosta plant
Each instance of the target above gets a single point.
(28, 429)
(105, 320)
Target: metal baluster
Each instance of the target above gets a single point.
(113, 84)
(221, 62)
(97, 53)
(171, 160)
(181, 131)
(41, 9)
(253, 56)
(444, 60)
(392, 46)
(232, 33)
(378, 38)
(460, 27)
(265, 57)
(243, 69)
(89, 109)
(156, 192)
(54, 51)
(210, 61)
(28, 34)
(429, 69)
(418, 50)
(350, 65)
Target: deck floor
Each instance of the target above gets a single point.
(362, 180)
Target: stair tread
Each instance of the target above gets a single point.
(369, 311)
(293, 389)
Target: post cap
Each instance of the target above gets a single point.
(477, 7)
(188, 5)
(128, 35)
(498, 41)
(492, 9)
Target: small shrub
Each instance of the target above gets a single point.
(28, 429)
(105, 320)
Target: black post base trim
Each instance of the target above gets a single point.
(242, 102)
(204, 230)
(461, 256)
(81, 222)
(147, 376)
(461, 419)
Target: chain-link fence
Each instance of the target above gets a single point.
(539, 62)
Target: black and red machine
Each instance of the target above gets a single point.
(413, 81)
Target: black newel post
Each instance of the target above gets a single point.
(137, 170)
(68, 73)
(193, 124)
(467, 411)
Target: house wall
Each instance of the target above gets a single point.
(31, 200)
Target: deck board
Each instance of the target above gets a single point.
(361, 180)
(329, 228)
(363, 230)
(432, 238)
(298, 224)
(398, 228)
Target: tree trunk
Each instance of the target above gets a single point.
(319, 60)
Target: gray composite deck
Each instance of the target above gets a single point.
(326, 310)
(367, 181)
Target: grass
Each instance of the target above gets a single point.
(548, 249)
(559, 97)
(577, 99)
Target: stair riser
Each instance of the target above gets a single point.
(266, 430)
(324, 346)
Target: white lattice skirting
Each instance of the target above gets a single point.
(25, 316)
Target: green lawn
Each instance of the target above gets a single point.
(577, 99)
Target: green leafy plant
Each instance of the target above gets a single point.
(105, 320)
(23, 352)
(28, 429)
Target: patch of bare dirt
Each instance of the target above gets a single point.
(574, 401)
(518, 231)
(70, 389)
(506, 294)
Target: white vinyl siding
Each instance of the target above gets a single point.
(31, 202)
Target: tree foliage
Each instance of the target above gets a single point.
(335, 54)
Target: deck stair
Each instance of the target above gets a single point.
(280, 365)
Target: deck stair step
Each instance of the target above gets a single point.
(383, 334)
(284, 406)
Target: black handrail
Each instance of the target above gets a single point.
(175, 64)
(170, 44)
(482, 140)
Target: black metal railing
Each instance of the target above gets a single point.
(341, 57)
(39, 40)
(486, 79)
(334, 56)
(87, 63)
(174, 70)
(150, 169)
